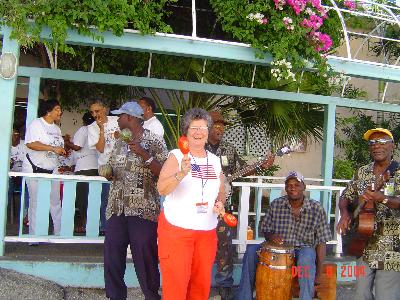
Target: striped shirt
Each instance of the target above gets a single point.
(309, 230)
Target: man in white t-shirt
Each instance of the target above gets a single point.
(150, 121)
(85, 164)
(101, 136)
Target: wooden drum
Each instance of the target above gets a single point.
(274, 272)
(326, 290)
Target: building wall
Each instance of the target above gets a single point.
(308, 161)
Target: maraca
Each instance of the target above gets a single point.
(183, 145)
(229, 219)
(125, 135)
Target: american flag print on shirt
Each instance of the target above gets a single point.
(203, 171)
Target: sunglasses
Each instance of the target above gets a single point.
(379, 142)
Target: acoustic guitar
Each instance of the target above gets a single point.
(247, 169)
(363, 224)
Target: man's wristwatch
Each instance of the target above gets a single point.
(384, 201)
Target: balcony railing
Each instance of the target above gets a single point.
(270, 191)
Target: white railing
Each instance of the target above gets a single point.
(44, 182)
(323, 194)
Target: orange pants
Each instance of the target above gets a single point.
(186, 260)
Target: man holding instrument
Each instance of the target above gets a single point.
(231, 163)
(297, 221)
(381, 256)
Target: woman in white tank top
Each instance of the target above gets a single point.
(194, 190)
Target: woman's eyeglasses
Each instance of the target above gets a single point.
(379, 142)
(198, 128)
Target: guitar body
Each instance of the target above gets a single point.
(363, 225)
(362, 229)
(357, 245)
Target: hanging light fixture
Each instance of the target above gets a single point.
(8, 65)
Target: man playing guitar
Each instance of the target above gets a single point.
(231, 163)
(381, 256)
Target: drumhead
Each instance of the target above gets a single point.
(275, 248)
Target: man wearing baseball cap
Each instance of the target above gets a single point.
(381, 257)
(231, 163)
(133, 205)
(293, 220)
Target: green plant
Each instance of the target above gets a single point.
(356, 151)
(343, 169)
(29, 18)
(291, 31)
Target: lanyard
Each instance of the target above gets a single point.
(203, 182)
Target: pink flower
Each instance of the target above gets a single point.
(350, 4)
(264, 21)
(314, 23)
(323, 41)
(316, 4)
(297, 5)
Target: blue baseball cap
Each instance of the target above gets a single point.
(130, 108)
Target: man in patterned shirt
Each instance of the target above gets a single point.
(381, 257)
(231, 163)
(297, 221)
(133, 206)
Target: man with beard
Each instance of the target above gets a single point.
(133, 206)
(381, 257)
(231, 163)
(101, 137)
(297, 221)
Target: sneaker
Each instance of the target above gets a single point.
(225, 293)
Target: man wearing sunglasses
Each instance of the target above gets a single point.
(381, 256)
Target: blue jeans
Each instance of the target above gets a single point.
(103, 205)
(304, 257)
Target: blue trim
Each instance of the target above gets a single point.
(7, 105)
(204, 88)
(91, 275)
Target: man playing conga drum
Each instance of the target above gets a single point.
(297, 221)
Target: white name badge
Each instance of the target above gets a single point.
(202, 207)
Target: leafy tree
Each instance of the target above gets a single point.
(28, 18)
(355, 148)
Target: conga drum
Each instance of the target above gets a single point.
(274, 272)
(326, 290)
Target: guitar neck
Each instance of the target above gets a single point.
(243, 171)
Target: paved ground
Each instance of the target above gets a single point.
(16, 286)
